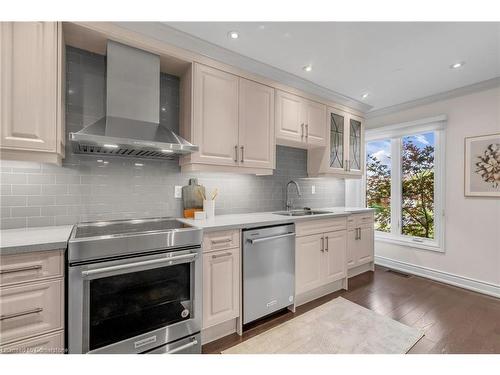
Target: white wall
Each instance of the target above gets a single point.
(472, 237)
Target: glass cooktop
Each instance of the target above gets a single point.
(124, 227)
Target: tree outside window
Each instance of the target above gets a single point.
(416, 198)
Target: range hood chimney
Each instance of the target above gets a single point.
(131, 127)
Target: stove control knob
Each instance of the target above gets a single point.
(185, 313)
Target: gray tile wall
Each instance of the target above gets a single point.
(88, 188)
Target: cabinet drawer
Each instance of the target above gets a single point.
(19, 268)
(366, 218)
(307, 227)
(30, 309)
(221, 240)
(52, 343)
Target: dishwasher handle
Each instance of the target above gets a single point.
(262, 239)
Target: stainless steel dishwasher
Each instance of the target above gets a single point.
(268, 270)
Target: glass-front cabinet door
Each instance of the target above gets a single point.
(345, 151)
(355, 156)
(337, 141)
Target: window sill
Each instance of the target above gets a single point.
(409, 243)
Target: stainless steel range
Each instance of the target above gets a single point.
(134, 286)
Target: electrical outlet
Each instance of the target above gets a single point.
(178, 191)
(313, 189)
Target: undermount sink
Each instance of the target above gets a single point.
(302, 212)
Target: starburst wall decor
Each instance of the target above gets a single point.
(482, 166)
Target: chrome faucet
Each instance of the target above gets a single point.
(289, 205)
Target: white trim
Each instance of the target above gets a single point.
(461, 91)
(406, 128)
(407, 241)
(441, 276)
(394, 133)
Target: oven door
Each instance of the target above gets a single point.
(135, 304)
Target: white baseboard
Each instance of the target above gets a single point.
(444, 277)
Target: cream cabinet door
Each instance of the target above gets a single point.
(308, 260)
(354, 151)
(221, 281)
(215, 128)
(29, 85)
(365, 246)
(256, 125)
(352, 243)
(315, 123)
(334, 265)
(289, 118)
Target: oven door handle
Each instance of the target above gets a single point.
(130, 266)
(183, 347)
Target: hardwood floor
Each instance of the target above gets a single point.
(454, 320)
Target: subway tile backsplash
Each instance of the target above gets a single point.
(87, 189)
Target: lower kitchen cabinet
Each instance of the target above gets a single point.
(32, 302)
(221, 286)
(334, 264)
(360, 243)
(320, 258)
(308, 263)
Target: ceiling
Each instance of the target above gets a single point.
(394, 62)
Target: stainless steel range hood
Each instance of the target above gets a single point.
(131, 126)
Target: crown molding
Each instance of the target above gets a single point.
(180, 39)
(461, 91)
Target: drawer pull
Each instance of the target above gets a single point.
(221, 255)
(224, 240)
(22, 313)
(21, 269)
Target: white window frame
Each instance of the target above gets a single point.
(395, 133)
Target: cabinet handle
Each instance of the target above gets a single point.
(359, 231)
(21, 269)
(307, 131)
(236, 153)
(326, 240)
(221, 255)
(242, 149)
(322, 244)
(347, 167)
(302, 133)
(22, 313)
(223, 240)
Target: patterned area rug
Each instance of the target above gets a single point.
(339, 326)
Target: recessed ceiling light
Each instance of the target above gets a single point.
(233, 35)
(110, 146)
(139, 164)
(365, 95)
(307, 68)
(457, 65)
(167, 151)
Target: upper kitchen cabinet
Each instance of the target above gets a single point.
(299, 122)
(32, 91)
(342, 156)
(256, 125)
(232, 122)
(215, 116)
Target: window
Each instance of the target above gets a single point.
(404, 169)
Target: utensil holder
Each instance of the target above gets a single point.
(209, 208)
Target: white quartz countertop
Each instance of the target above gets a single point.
(14, 241)
(249, 220)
